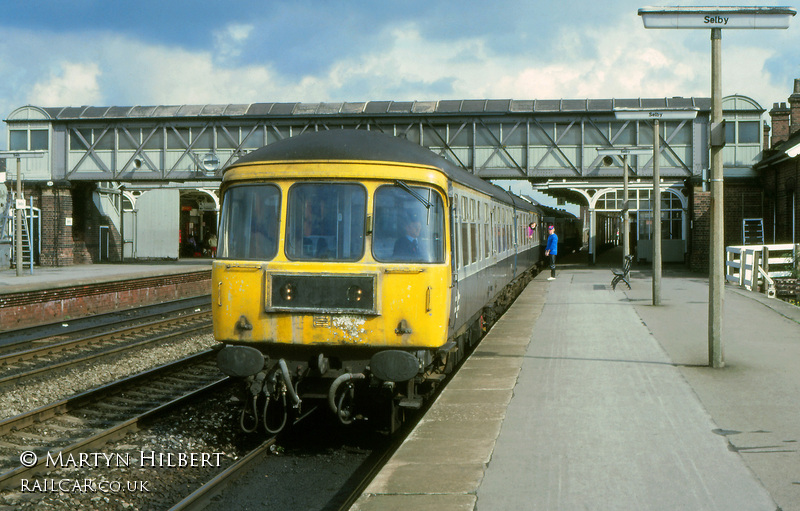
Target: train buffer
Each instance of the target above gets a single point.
(621, 274)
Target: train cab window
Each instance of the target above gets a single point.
(249, 222)
(326, 222)
(409, 225)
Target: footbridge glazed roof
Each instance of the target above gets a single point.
(388, 108)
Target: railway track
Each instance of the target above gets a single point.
(201, 497)
(29, 358)
(88, 420)
(15, 340)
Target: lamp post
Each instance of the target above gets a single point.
(19, 203)
(655, 116)
(716, 19)
(625, 152)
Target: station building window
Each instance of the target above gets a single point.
(641, 210)
(742, 132)
(28, 140)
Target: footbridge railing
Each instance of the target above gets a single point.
(756, 267)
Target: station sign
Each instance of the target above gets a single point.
(716, 17)
(655, 114)
(622, 151)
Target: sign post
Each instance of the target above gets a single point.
(656, 116)
(19, 205)
(716, 19)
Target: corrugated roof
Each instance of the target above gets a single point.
(449, 106)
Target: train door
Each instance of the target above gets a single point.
(157, 224)
(454, 258)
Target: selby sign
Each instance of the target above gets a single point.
(626, 114)
(716, 17)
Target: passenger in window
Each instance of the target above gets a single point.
(407, 247)
(531, 229)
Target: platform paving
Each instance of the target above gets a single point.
(54, 277)
(585, 398)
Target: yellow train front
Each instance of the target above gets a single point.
(333, 278)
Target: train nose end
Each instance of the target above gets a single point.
(240, 361)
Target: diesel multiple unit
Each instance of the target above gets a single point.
(354, 269)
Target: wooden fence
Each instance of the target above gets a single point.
(756, 267)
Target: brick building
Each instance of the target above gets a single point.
(779, 172)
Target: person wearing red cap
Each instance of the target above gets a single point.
(551, 250)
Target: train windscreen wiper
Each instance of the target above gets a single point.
(425, 202)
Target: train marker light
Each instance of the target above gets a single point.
(287, 291)
(354, 294)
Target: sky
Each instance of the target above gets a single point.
(170, 52)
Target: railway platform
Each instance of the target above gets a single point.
(585, 398)
(49, 295)
(81, 274)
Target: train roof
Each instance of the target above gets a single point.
(349, 144)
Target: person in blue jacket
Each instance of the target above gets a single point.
(551, 250)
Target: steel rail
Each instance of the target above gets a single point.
(49, 349)
(15, 378)
(202, 496)
(115, 432)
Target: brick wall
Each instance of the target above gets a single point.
(741, 200)
(57, 243)
(780, 115)
(79, 243)
(701, 230)
(28, 308)
(780, 185)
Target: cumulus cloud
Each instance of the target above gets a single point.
(621, 60)
(74, 83)
(229, 41)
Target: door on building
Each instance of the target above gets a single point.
(128, 233)
(105, 242)
(156, 225)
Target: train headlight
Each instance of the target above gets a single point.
(288, 291)
(354, 294)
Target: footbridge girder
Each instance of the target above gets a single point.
(495, 139)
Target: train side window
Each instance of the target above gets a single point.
(249, 222)
(473, 238)
(464, 241)
(406, 230)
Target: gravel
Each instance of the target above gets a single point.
(39, 391)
